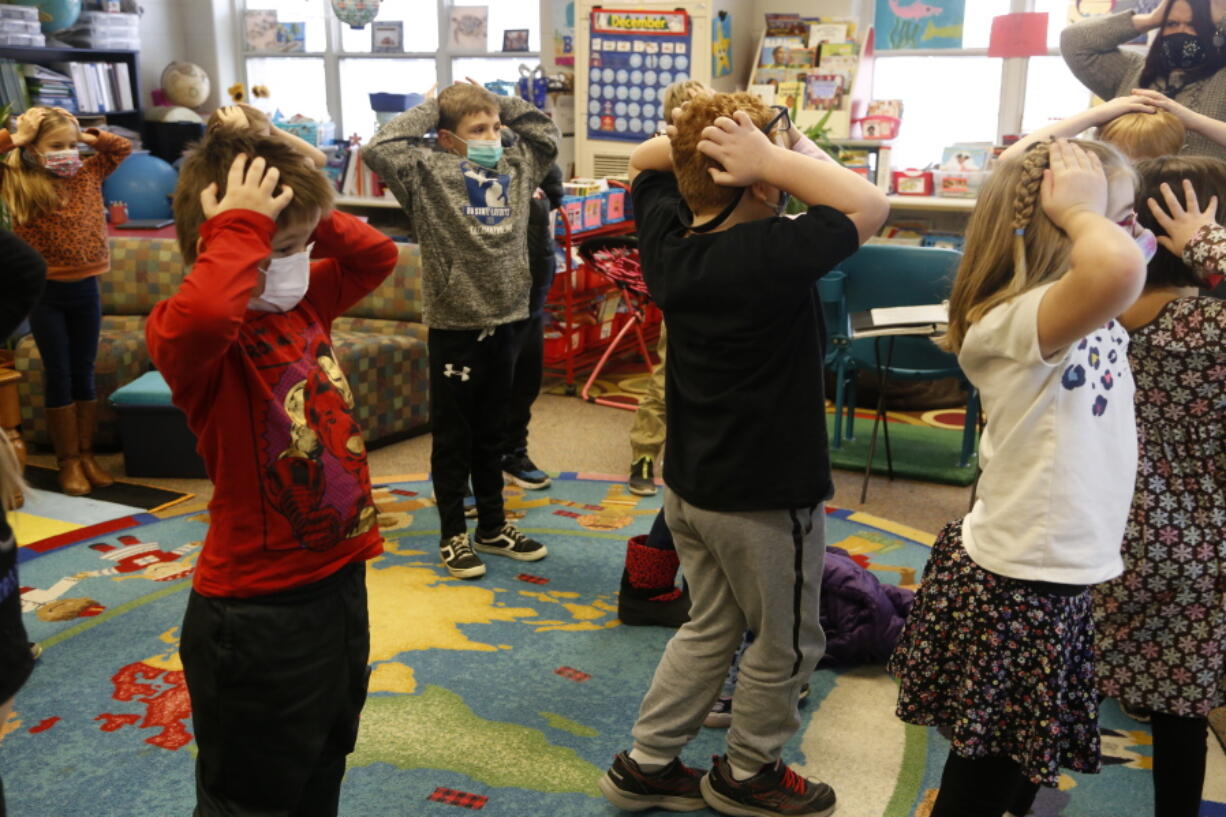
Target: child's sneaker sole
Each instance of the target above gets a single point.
(629, 801)
(724, 805)
(534, 556)
(527, 485)
(466, 572)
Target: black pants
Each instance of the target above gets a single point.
(527, 360)
(277, 684)
(66, 323)
(470, 382)
(982, 787)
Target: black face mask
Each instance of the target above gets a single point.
(1183, 52)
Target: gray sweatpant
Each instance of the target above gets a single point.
(758, 570)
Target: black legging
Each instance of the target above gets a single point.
(982, 787)
(1179, 768)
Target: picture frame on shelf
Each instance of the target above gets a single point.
(470, 27)
(387, 37)
(260, 29)
(291, 37)
(515, 39)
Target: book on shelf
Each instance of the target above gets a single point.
(13, 86)
(925, 320)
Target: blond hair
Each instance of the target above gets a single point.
(1011, 245)
(458, 101)
(28, 189)
(1145, 135)
(678, 94)
(11, 481)
(692, 167)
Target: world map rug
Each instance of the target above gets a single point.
(507, 695)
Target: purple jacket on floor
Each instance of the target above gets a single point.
(862, 617)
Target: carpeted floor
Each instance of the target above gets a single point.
(516, 689)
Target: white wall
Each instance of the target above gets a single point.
(162, 40)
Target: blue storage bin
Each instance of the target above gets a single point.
(154, 433)
(394, 103)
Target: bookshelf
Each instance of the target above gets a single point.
(49, 56)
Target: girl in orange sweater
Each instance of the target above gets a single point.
(55, 200)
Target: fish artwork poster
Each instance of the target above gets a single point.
(907, 25)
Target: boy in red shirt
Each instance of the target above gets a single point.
(275, 639)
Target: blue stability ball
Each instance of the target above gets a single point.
(145, 183)
(54, 15)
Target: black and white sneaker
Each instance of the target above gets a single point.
(459, 559)
(522, 471)
(510, 542)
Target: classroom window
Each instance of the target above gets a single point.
(338, 72)
(927, 103)
(296, 85)
(1052, 92)
(362, 77)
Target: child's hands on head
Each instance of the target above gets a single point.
(1113, 108)
(231, 116)
(738, 145)
(1182, 224)
(248, 187)
(27, 126)
(1073, 185)
(1164, 103)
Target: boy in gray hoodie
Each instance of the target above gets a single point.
(468, 205)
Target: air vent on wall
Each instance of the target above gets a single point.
(605, 165)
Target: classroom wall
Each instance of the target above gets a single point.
(162, 40)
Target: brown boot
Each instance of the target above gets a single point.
(87, 421)
(62, 424)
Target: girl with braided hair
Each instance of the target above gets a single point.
(998, 648)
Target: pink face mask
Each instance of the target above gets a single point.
(63, 162)
(1145, 239)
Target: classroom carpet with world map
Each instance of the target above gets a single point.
(508, 695)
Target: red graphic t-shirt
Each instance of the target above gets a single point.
(270, 407)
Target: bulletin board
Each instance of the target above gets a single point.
(634, 56)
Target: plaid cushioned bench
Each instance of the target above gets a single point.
(380, 343)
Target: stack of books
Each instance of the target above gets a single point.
(49, 88)
(13, 87)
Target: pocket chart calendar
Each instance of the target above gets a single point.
(635, 55)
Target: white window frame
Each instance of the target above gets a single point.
(1012, 77)
(332, 53)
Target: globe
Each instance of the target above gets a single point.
(186, 84)
(54, 15)
(143, 182)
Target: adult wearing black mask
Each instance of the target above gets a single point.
(1185, 61)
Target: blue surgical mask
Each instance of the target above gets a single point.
(485, 152)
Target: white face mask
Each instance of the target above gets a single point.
(285, 282)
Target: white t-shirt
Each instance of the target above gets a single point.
(1059, 452)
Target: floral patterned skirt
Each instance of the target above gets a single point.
(1006, 668)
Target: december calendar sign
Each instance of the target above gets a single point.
(634, 56)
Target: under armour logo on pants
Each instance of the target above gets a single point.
(451, 371)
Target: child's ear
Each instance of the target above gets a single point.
(447, 141)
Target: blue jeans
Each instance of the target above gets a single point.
(66, 323)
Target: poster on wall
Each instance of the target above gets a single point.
(721, 45)
(908, 25)
(634, 56)
(564, 32)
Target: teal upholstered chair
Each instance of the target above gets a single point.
(885, 275)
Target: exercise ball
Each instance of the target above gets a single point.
(145, 183)
(186, 84)
(54, 15)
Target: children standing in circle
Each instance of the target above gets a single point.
(55, 200)
(998, 647)
(1161, 626)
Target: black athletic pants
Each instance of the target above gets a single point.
(527, 360)
(277, 684)
(470, 383)
(982, 787)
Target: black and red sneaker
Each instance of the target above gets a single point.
(776, 789)
(675, 787)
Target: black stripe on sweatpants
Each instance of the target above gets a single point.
(798, 586)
